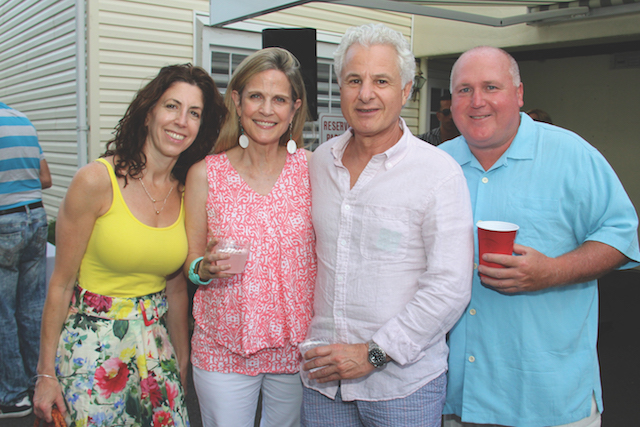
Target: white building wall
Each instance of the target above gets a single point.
(38, 77)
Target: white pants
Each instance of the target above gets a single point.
(593, 420)
(230, 400)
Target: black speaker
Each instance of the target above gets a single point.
(301, 42)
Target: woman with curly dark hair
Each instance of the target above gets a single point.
(117, 292)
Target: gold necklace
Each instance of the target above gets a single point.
(154, 200)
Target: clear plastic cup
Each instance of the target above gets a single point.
(307, 345)
(238, 251)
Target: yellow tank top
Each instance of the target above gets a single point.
(126, 258)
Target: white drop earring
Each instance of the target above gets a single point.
(291, 144)
(243, 141)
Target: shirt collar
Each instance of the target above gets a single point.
(522, 147)
(391, 157)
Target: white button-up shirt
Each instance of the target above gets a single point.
(395, 258)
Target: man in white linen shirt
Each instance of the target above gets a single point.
(394, 242)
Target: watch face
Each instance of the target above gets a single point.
(377, 357)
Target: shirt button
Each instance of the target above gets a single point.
(475, 265)
(343, 242)
(472, 312)
(485, 180)
(472, 359)
(347, 207)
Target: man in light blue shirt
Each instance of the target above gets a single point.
(524, 353)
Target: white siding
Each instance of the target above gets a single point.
(38, 77)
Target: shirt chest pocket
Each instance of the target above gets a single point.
(385, 231)
(542, 225)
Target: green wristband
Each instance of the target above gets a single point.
(194, 277)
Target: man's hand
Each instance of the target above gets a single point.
(529, 271)
(338, 362)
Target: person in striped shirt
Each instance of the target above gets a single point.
(23, 236)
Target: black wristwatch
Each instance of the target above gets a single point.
(377, 356)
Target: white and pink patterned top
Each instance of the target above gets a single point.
(252, 322)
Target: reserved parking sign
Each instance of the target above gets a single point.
(331, 125)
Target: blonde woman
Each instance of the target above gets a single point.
(248, 325)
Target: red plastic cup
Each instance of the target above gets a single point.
(495, 237)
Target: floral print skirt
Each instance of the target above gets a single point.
(116, 365)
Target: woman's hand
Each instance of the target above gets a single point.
(89, 196)
(212, 265)
(47, 394)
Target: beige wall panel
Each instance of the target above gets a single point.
(156, 61)
(599, 103)
(433, 37)
(172, 10)
(337, 18)
(123, 83)
(333, 12)
(106, 132)
(144, 48)
(156, 25)
(335, 27)
(140, 73)
(131, 42)
(112, 33)
(117, 97)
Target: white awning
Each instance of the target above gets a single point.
(223, 12)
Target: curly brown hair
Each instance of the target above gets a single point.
(131, 132)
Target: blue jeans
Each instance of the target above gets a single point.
(23, 288)
(423, 408)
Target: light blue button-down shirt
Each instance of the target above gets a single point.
(530, 359)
